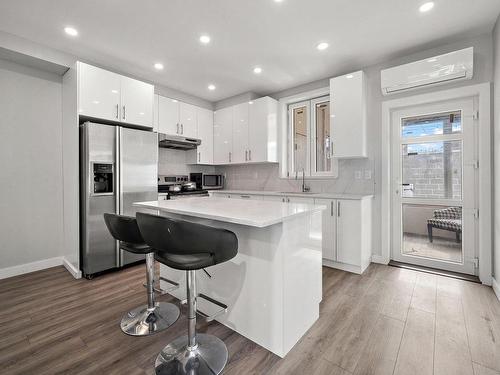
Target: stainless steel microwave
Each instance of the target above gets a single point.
(213, 181)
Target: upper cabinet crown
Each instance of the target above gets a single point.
(348, 115)
(113, 97)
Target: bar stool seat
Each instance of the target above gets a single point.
(185, 261)
(189, 246)
(155, 316)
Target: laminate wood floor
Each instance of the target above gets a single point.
(388, 321)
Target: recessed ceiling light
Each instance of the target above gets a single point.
(159, 66)
(425, 7)
(349, 76)
(322, 46)
(257, 70)
(71, 31)
(278, 1)
(204, 39)
(211, 87)
(174, 101)
(250, 102)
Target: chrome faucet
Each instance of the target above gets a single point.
(305, 188)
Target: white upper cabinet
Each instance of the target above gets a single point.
(99, 93)
(223, 136)
(136, 102)
(205, 151)
(155, 113)
(348, 115)
(168, 116)
(187, 120)
(240, 133)
(110, 96)
(263, 130)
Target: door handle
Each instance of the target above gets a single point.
(182, 128)
(199, 157)
(331, 208)
(117, 110)
(245, 196)
(230, 157)
(177, 128)
(250, 155)
(338, 208)
(246, 155)
(123, 112)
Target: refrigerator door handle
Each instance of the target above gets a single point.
(118, 186)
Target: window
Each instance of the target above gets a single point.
(309, 142)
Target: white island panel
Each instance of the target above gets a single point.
(273, 286)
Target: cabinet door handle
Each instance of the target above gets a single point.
(199, 157)
(182, 128)
(123, 112)
(288, 200)
(250, 155)
(331, 208)
(117, 110)
(338, 208)
(245, 196)
(283, 200)
(230, 157)
(177, 131)
(246, 155)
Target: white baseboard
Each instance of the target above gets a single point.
(77, 274)
(496, 287)
(30, 267)
(343, 266)
(379, 259)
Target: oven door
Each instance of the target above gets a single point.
(213, 181)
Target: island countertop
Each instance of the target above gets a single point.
(258, 214)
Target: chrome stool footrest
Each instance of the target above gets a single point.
(160, 291)
(204, 309)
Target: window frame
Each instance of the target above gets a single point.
(286, 136)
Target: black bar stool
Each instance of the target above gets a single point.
(188, 246)
(155, 316)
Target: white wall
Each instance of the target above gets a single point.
(496, 149)
(31, 224)
(267, 177)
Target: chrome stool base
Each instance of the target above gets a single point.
(208, 357)
(141, 322)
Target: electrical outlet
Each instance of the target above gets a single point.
(357, 175)
(368, 174)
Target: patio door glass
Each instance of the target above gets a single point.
(433, 153)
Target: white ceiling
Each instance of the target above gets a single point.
(131, 35)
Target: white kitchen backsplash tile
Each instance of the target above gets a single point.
(172, 161)
(351, 178)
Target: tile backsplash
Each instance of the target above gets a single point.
(172, 161)
(356, 176)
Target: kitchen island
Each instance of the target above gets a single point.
(273, 286)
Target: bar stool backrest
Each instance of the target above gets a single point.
(124, 228)
(184, 237)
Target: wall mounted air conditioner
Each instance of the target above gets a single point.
(450, 67)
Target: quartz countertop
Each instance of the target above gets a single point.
(253, 213)
(296, 194)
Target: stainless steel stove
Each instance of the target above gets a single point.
(178, 186)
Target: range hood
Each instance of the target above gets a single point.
(177, 142)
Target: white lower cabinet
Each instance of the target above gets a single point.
(347, 233)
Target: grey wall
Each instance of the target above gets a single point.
(496, 149)
(31, 226)
(267, 177)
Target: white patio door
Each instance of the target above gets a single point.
(434, 165)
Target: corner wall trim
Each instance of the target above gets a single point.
(30, 267)
(76, 273)
(496, 287)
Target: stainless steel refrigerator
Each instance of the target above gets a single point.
(118, 166)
